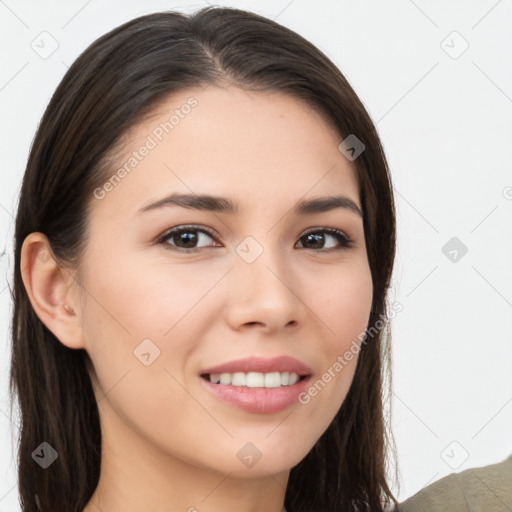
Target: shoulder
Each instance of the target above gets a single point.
(486, 488)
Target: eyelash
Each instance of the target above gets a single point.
(344, 241)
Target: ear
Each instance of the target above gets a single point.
(52, 291)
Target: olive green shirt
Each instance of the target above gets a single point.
(483, 489)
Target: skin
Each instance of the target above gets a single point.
(168, 443)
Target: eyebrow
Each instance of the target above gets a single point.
(211, 203)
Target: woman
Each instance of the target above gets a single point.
(204, 244)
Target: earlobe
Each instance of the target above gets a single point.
(46, 284)
(68, 309)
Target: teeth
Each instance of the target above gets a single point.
(255, 379)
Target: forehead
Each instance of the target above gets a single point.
(254, 145)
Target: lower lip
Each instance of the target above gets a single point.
(258, 400)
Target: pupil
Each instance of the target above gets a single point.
(316, 237)
(187, 237)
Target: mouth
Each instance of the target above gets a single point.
(258, 372)
(255, 392)
(255, 379)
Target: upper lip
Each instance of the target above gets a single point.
(262, 365)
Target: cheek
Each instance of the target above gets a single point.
(345, 307)
(134, 308)
(344, 311)
(126, 316)
(146, 299)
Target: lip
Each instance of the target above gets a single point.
(258, 400)
(262, 365)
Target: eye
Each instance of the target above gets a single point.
(317, 237)
(185, 238)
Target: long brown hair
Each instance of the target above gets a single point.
(117, 81)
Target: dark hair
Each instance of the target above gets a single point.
(114, 84)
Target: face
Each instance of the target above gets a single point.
(172, 291)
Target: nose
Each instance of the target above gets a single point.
(264, 294)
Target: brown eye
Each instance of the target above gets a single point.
(318, 239)
(185, 238)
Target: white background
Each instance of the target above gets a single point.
(446, 125)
